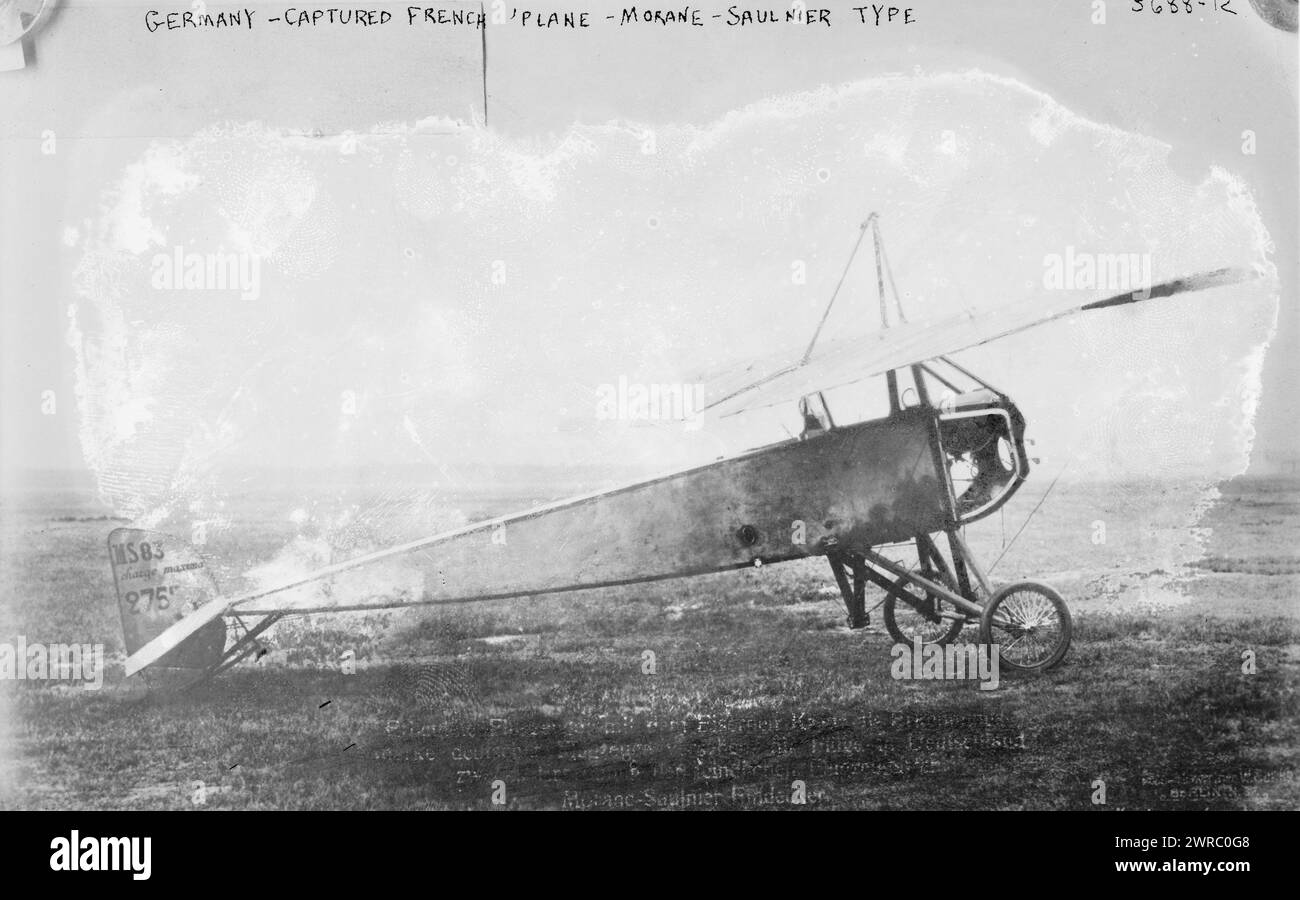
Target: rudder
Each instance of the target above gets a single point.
(160, 580)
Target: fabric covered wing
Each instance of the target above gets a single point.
(844, 361)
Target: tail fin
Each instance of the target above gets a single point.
(161, 580)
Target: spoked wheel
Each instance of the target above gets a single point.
(1030, 623)
(933, 619)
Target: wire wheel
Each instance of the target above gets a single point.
(1031, 625)
(934, 619)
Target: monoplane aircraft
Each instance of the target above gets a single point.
(842, 491)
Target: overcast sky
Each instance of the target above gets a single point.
(634, 208)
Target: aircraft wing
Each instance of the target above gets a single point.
(844, 361)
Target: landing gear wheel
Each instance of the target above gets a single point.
(1030, 623)
(935, 620)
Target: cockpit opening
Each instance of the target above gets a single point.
(982, 437)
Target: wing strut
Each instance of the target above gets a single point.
(862, 232)
(889, 273)
(883, 271)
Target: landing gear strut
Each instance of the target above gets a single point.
(1029, 621)
(855, 594)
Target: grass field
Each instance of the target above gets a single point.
(550, 702)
